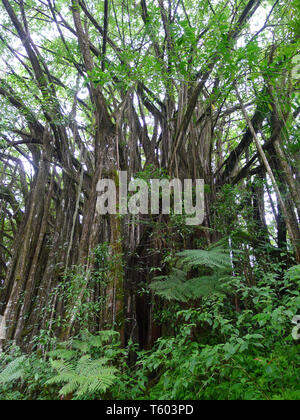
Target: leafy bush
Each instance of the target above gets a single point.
(220, 353)
(24, 377)
(217, 352)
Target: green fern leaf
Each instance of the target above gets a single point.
(216, 264)
(13, 371)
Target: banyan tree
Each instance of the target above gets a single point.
(162, 88)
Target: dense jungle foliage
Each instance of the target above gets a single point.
(140, 305)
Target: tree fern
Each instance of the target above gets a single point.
(216, 265)
(217, 258)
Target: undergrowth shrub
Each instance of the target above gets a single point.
(215, 352)
(221, 353)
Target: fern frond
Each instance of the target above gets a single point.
(216, 258)
(13, 371)
(216, 262)
(183, 290)
(203, 286)
(64, 354)
(83, 378)
(82, 346)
